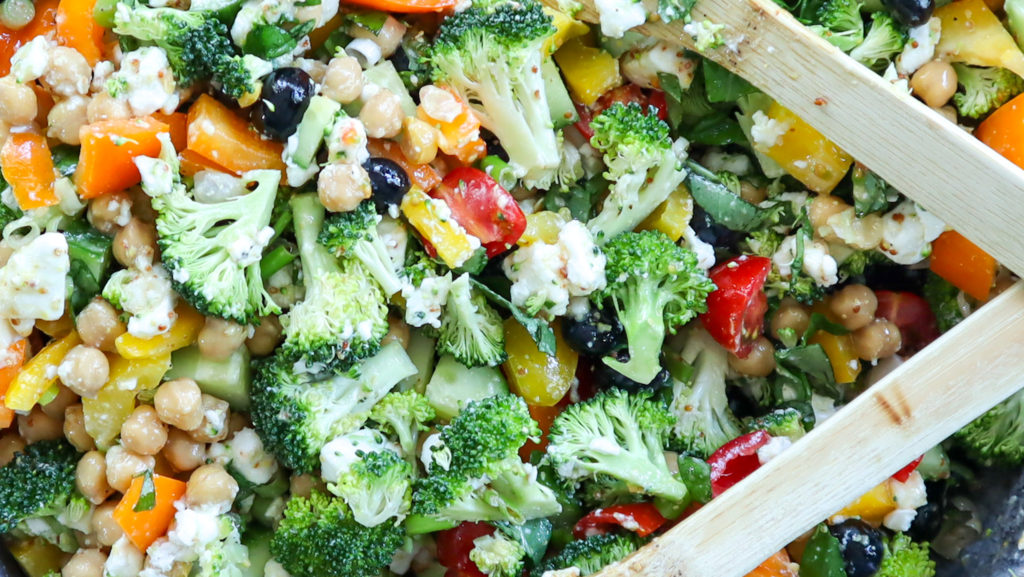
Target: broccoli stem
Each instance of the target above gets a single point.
(274, 261)
(422, 524)
(641, 312)
(308, 216)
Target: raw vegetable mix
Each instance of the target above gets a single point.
(424, 287)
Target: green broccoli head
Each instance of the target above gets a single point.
(590, 555)
(319, 537)
(404, 415)
(619, 435)
(884, 39)
(498, 556)
(984, 89)
(944, 300)
(471, 330)
(905, 558)
(486, 480)
(213, 250)
(343, 316)
(37, 487)
(997, 437)
(787, 422)
(354, 234)
(703, 420)
(841, 23)
(631, 138)
(377, 487)
(798, 284)
(655, 286)
(492, 56)
(296, 414)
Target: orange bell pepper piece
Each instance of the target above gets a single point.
(144, 527)
(109, 148)
(77, 29)
(28, 167)
(963, 264)
(44, 22)
(191, 162)
(178, 122)
(778, 565)
(457, 135)
(13, 359)
(217, 133)
(405, 6)
(1002, 131)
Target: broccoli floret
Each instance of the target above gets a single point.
(498, 556)
(404, 415)
(655, 286)
(590, 555)
(704, 421)
(318, 537)
(493, 56)
(486, 480)
(997, 437)
(471, 330)
(618, 435)
(38, 495)
(343, 316)
(213, 250)
(841, 23)
(602, 491)
(644, 167)
(354, 234)
(798, 284)
(376, 487)
(945, 301)
(884, 39)
(905, 558)
(984, 89)
(296, 414)
(197, 44)
(786, 422)
(225, 556)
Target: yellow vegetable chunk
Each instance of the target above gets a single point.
(872, 506)
(972, 34)
(805, 153)
(183, 333)
(432, 219)
(542, 226)
(841, 352)
(566, 28)
(107, 411)
(672, 216)
(589, 72)
(542, 380)
(39, 373)
(36, 556)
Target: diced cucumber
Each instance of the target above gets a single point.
(453, 385)
(385, 75)
(257, 540)
(563, 111)
(228, 379)
(316, 122)
(421, 352)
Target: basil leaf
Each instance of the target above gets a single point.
(722, 85)
(65, 159)
(696, 475)
(943, 299)
(684, 105)
(721, 204)
(822, 557)
(534, 535)
(718, 129)
(539, 329)
(268, 41)
(372, 20)
(147, 497)
(807, 370)
(870, 192)
(820, 322)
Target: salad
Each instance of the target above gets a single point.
(419, 287)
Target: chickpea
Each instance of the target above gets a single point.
(64, 399)
(343, 80)
(303, 485)
(220, 338)
(107, 530)
(38, 426)
(210, 485)
(99, 325)
(18, 106)
(142, 432)
(109, 212)
(878, 340)
(182, 452)
(789, 315)
(387, 39)
(66, 118)
(74, 429)
(265, 337)
(123, 465)
(419, 141)
(91, 477)
(855, 305)
(316, 69)
(10, 443)
(934, 83)
(84, 370)
(105, 107)
(823, 207)
(179, 403)
(382, 115)
(85, 563)
(343, 186)
(135, 240)
(69, 73)
(214, 426)
(752, 194)
(760, 362)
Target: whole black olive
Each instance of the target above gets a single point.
(741, 403)
(388, 182)
(861, 546)
(928, 521)
(596, 334)
(895, 278)
(606, 377)
(910, 12)
(285, 97)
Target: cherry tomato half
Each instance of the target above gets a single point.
(736, 460)
(641, 518)
(912, 315)
(658, 100)
(485, 209)
(736, 307)
(626, 94)
(454, 545)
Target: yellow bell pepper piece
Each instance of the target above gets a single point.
(672, 216)
(431, 218)
(107, 411)
(872, 506)
(566, 28)
(542, 226)
(39, 373)
(540, 379)
(841, 352)
(36, 556)
(589, 72)
(183, 333)
(805, 153)
(972, 34)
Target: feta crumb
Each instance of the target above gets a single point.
(247, 249)
(147, 81)
(767, 131)
(618, 16)
(705, 252)
(33, 280)
(32, 60)
(920, 47)
(346, 142)
(907, 233)
(157, 176)
(145, 292)
(773, 448)
(423, 304)
(246, 454)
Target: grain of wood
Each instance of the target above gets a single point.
(912, 147)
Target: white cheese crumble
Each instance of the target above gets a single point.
(818, 263)
(246, 454)
(145, 81)
(705, 251)
(642, 67)
(908, 496)
(33, 280)
(145, 292)
(767, 131)
(907, 233)
(157, 176)
(423, 304)
(920, 47)
(618, 16)
(247, 249)
(32, 60)
(773, 448)
(346, 142)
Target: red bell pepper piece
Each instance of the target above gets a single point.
(737, 306)
(454, 546)
(736, 460)
(903, 474)
(641, 518)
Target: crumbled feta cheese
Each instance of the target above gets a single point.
(32, 60)
(147, 81)
(100, 73)
(718, 160)
(898, 84)
(33, 280)
(392, 232)
(579, 308)
(144, 292)
(338, 456)
(911, 493)
(907, 233)
(920, 47)
(705, 252)
(423, 304)
(247, 249)
(157, 176)
(346, 142)
(767, 131)
(899, 519)
(818, 264)
(706, 34)
(642, 67)
(439, 104)
(773, 448)
(124, 560)
(434, 452)
(246, 454)
(618, 16)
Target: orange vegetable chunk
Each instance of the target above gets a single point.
(28, 168)
(963, 264)
(10, 40)
(109, 148)
(1003, 131)
(179, 127)
(10, 365)
(144, 527)
(217, 133)
(77, 29)
(778, 565)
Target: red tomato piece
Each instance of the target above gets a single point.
(736, 307)
(736, 460)
(454, 545)
(641, 518)
(626, 94)
(583, 124)
(912, 315)
(658, 101)
(485, 209)
(903, 474)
